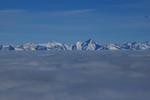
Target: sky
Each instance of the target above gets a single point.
(72, 20)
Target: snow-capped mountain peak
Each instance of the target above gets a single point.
(86, 46)
(77, 46)
(90, 45)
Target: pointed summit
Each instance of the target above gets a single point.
(90, 41)
(90, 45)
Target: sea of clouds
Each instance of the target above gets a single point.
(75, 75)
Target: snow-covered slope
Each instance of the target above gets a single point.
(135, 46)
(77, 46)
(28, 46)
(7, 47)
(112, 46)
(53, 45)
(89, 45)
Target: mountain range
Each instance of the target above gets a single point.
(89, 45)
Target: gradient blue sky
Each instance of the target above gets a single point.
(71, 20)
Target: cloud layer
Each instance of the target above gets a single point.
(74, 75)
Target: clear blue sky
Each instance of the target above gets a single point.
(71, 20)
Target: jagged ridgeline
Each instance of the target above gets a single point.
(85, 46)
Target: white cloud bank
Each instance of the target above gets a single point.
(74, 76)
